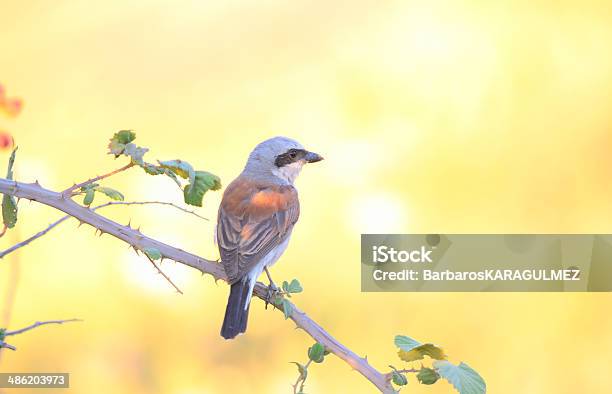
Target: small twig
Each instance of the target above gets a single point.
(163, 274)
(31, 327)
(301, 379)
(38, 324)
(33, 237)
(194, 213)
(64, 218)
(410, 370)
(7, 346)
(71, 190)
(3, 231)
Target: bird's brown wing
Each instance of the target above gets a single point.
(253, 219)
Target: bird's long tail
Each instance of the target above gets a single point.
(237, 310)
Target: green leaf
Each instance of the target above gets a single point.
(119, 141)
(427, 376)
(181, 168)
(9, 204)
(277, 301)
(152, 253)
(2, 334)
(125, 136)
(411, 350)
(152, 169)
(89, 186)
(9, 211)
(293, 287)
(121, 144)
(462, 377)
(405, 343)
(9, 171)
(172, 176)
(399, 378)
(302, 370)
(316, 352)
(110, 192)
(136, 153)
(287, 308)
(89, 197)
(203, 182)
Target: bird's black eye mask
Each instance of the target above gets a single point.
(291, 156)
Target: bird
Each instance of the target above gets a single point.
(256, 217)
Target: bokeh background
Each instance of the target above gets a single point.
(433, 117)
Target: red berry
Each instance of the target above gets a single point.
(6, 140)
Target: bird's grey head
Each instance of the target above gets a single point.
(279, 159)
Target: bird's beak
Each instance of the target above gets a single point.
(312, 157)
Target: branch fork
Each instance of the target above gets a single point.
(137, 240)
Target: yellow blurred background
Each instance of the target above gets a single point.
(433, 117)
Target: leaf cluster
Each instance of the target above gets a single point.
(195, 182)
(462, 377)
(316, 354)
(90, 191)
(283, 303)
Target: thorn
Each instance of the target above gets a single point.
(80, 223)
(129, 224)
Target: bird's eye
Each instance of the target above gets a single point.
(292, 155)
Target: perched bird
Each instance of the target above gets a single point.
(256, 217)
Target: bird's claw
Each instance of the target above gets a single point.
(271, 293)
(272, 289)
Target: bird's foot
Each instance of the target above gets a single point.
(273, 291)
(271, 294)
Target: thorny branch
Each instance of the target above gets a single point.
(110, 203)
(34, 192)
(71, 191)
